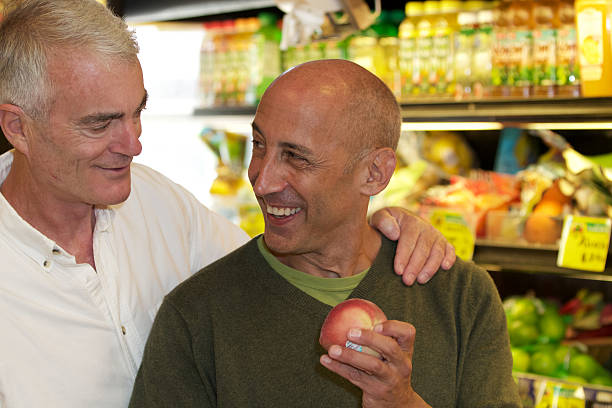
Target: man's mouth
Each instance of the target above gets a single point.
(115, 167)
(282, 211)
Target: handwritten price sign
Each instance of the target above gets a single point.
(584, 243)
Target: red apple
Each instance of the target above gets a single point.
(352, 313)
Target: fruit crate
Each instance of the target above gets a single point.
(539, 391)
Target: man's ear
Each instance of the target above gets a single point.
(380, 167)
(12, 123)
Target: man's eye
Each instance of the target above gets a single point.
(296, 157)
(257, 144)
(100, 128)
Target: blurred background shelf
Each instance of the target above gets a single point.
(531, 259)
(521, 111)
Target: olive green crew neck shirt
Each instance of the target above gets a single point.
(330, 291)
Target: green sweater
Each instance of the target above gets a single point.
(237, 334)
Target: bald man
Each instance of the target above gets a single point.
(324, 137)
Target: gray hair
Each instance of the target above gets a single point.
(32, 30)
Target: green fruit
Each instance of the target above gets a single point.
(520, 360)
(602, 380)
(509, 303)
(552, 327)
(522, 334)
(585, 366)
(544, 363)
(563, 354)
(524, 310)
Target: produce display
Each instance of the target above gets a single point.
(543, 336)
(525, 208)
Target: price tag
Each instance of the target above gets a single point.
(584, 243)
(456, 230)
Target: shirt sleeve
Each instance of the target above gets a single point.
(169, 375)
(486, 375)
(213, 236)
(205, 235)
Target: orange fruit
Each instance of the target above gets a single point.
(553, 193)
(541, 228)
(549, 207)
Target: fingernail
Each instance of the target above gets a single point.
(335, 351)
(378, 328)
(355, 333)
(325, 359)
(400, 267)
(446, 265)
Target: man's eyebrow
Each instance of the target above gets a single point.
(143, 103)
(303, 150)
(96, 118)
(298, 148)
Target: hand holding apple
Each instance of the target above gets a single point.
(384, 383)
(352, 313)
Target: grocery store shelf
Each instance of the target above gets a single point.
(509, 110)
(225, 111)
(531, 259)
(506, 111)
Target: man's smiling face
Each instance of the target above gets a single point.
(298, 168)
(82, 152)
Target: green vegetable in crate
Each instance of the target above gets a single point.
(522, 334)
(552, 327)
(544, 363)
(521, 360)
(585, 366)
(563, 355)
(524, 310)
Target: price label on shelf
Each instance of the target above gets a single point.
(584, 243)
(456, 230)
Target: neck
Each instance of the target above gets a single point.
(344, 258)
(70, 225)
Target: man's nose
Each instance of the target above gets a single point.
(128, 138)
(268, 176)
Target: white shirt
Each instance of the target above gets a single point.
(71, 336)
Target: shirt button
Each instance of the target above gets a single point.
(56, 251)
(123, 330)
(46, 264)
